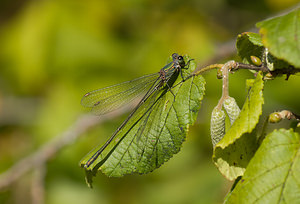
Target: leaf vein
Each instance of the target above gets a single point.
(288, 172)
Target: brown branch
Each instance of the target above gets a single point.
(271, 74)
(250, 67)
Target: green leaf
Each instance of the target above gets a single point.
(249, 44)
(281, 35)
(273, 175)
(150, 138)
(234, 151)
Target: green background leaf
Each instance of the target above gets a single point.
(281, 35)
(234, 151)
(273, 175)
(151, 138)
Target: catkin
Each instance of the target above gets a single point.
(232, 109)
(217, 125)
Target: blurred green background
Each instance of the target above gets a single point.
(53, 52)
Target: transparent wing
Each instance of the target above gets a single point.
(113, 97)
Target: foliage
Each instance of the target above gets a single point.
(272, 175)
(281, 36)
(52, 52)
(238, 153)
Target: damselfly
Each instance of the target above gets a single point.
(107, 99)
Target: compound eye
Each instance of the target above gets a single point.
(180, 58)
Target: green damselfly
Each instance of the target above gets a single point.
(110, 98)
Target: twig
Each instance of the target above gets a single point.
(201, 70)
(42, 155)
(272, 74)
(37, 187)
(237, 65)
(225, 73)
(284, 114)
(250, 67)
(276, 117)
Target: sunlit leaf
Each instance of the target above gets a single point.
(155, 132)
(273, 175)
(234, 151)
(281, 35)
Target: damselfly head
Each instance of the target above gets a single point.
(178, 59)
(181, 61)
